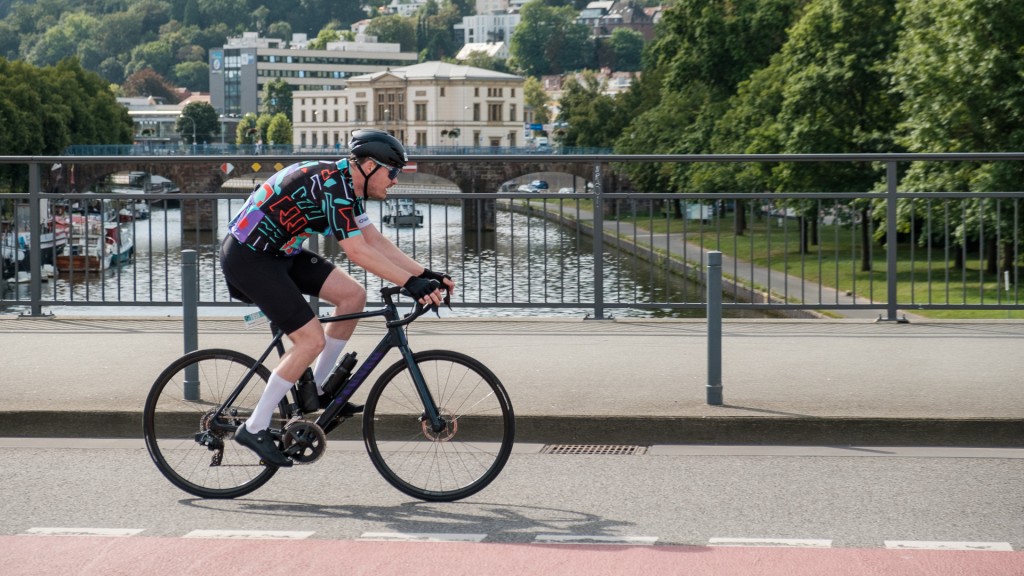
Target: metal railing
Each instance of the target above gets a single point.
(784, 253)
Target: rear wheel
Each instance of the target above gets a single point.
(193, 450)
(439, 465)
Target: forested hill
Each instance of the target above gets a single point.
(117, 38)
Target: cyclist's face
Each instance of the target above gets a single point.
(378, 182)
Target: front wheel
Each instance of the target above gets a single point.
(192, 448)
(439, 465)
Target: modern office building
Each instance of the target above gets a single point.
(428, 104)
(240, 69)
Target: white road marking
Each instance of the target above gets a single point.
(119, 532)
(249, 534)
(422, 537)
(582, 539)
(937, 545)
(771, 542)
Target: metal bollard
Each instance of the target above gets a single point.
(714, 283)
(190, 317)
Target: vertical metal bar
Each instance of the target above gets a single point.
(890, 239)
(598, 245)
(35, 254)
(190, 317)
(714, 284)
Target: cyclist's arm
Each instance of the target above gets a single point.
(386, 247)
(367, 255)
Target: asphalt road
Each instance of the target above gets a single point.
(851, 497)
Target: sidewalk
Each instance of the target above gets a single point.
(626, 381)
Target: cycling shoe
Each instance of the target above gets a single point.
(263, 445)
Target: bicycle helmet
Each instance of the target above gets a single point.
(379, 145)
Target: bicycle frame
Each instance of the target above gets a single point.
(394, 338)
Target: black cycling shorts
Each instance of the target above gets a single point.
(275, 284)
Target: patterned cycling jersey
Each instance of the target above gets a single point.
(311, 197)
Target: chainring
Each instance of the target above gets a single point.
(304, 442)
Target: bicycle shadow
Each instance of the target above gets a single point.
(502, 522)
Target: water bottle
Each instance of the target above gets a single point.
(340, 374)
(306, 395)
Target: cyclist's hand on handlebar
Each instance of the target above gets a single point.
(426, 292)
(446, 281)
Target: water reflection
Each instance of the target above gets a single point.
(525, 260)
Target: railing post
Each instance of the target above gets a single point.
(35, 253)
(890, 239)
(714, 284)
(598, 246)
(190, 317)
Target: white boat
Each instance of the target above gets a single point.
(402, 212)
(16, 236)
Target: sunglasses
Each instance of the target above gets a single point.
(392, 171)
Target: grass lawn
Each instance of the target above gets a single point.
(924, 276)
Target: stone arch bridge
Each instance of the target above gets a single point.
(208, 174)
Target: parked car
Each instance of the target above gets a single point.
(566, 191)
(539, 185)
(526, 188)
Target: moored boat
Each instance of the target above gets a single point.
(402, 212)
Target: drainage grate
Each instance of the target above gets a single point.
(595, 449)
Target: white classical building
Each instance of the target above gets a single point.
(427, 104)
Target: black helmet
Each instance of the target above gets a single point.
(378, 144)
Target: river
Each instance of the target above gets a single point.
(526, 260)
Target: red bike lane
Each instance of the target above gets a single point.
(28, 555)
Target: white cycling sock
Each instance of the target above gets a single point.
(326, 360)
(276, 388)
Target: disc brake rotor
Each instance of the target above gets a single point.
(450, 429)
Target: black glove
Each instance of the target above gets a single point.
(440, 277)
(418, 287)
(429, 274)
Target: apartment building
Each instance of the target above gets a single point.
(240, 69)
(427, 104)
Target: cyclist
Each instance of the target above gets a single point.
(265, 264)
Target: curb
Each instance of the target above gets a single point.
(970, 432)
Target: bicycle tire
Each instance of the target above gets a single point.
(464, 458)
(173, 425)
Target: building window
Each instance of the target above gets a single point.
(511, 112)
(421, 112)
(494, 113)
(476, 112)
(421, 138)
(360, 112)
(442, 91)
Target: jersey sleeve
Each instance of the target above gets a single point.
(349, 217)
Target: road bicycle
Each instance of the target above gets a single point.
(437, 425)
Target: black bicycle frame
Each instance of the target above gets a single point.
(395, 338)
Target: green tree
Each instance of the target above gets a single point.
(279, 129)
(592, 117)
(276, 98)
(627, 48)
(958, 71)
(395, 29)
(323, 37)
(247, 132)
(200, 119)
(193, 75)
(549, 41)
(535, 97)
(63, 40)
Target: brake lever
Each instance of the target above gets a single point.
(447, 301)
